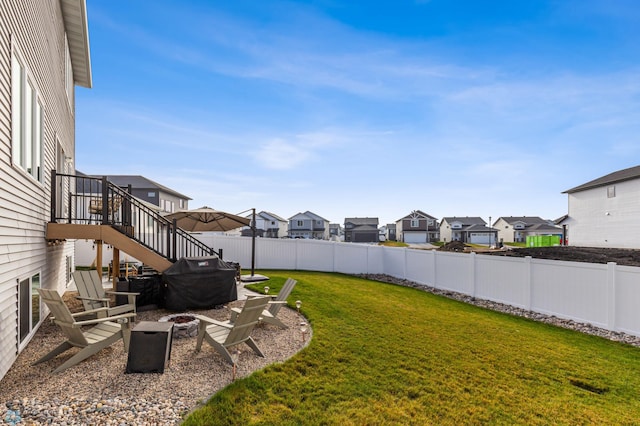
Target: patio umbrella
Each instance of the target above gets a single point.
(206, 219)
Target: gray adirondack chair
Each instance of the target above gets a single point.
(225, 334)
(269, 315)
(94, 296)
(105, 331)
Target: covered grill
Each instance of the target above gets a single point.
(199, 283)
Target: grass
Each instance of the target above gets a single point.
(390, 243)
(516, 244)
(384, 354)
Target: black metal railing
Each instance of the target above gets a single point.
(85, 200)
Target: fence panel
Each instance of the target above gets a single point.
(627, 296)
(375, 259)
(315, 255)
(351, 258)
(570, 290)
(453, 272)
(418, 263)
(502, 279)
(394, 261)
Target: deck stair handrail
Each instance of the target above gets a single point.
(80, 199)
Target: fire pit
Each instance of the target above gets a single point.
(184, 325)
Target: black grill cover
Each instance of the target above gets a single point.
(199, 283)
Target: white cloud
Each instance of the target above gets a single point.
(279, 154)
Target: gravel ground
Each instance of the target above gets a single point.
(98, 392)
(488, 304)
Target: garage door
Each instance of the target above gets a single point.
(415, 237)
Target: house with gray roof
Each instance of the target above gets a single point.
(467, 229)
(308, 225)
(417, 227)
(361, 230)
(605, 212)
(152, 192)
(516, 229)
(268, 225)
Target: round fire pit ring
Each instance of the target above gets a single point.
(184, 324)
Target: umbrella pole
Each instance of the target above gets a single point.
(253, 241)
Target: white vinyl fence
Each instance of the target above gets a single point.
(606, 296)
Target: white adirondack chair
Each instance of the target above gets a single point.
(225, 334)
(105, 331)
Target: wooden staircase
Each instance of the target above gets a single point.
(84, 207)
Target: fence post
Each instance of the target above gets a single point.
(527, 282)
(611, 295)
(333, 257)
(434, 262)
(404, 263)
(472, 271)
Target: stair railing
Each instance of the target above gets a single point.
(86, 200)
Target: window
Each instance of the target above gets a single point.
(611, 192)
(28, 305)
(68, 72)
(300, 223)
(26, 121)
(181, 203)
(415, 223)
(151, 194)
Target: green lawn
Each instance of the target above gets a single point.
(384, 354)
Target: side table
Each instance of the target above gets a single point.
(150, 347)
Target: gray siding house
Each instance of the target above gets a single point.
(361, 230)
(308, 225)
(44, 53)
(152, 192)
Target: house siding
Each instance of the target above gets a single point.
(590, 225)
(505, 231)
(34, 29)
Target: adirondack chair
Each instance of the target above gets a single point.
(269, 315)
(224, 334)
(105, 331)
(94, 296)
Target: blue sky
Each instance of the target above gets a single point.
(364, 108)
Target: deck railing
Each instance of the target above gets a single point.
(85, 200)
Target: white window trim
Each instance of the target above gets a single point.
(68, 74)
(32, 327)
(27, 156)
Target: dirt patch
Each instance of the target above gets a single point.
(457, 246)
(628, 257)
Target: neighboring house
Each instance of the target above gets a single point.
(605, 212)
(382, 233)
(308, 225)
(361, 230)
(467, 229)
(336, 233)
(44, 53)
(268, 225)
(152, 192)
(513, 229)
(391, 232)
(417, 227)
